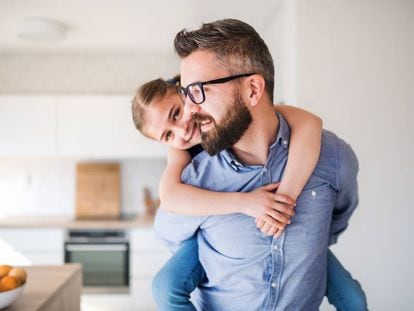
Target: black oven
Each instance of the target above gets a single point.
(104, 255)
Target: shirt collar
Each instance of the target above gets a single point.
(283, 133)
(282, 138)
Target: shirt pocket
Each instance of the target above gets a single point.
(313, 216)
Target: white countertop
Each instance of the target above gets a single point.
(141, 221)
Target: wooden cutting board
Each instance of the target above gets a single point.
(98, 191)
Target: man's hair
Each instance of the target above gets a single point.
(236, 45)
(145, 95)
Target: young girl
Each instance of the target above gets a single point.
(158, 113)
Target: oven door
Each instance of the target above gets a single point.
(105, 265)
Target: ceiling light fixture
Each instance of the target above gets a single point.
(39, 29)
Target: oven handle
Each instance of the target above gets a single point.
(95, 247)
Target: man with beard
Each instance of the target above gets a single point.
(228, 77)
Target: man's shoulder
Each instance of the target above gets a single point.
(334, 156)
(332, 145)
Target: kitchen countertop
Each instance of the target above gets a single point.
(50, 288)
(141, 221)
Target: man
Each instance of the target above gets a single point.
(228, 77)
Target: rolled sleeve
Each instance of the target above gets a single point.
(173, 229)
(347, 199)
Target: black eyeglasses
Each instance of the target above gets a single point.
(195, 91)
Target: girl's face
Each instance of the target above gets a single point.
(166, 122)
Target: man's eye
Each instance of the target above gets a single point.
(168, 136)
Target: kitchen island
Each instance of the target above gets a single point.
(50, 288)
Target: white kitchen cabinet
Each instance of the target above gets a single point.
(37, 245)
(147, 257)
(72, 126)
(27, 126)
(101, 126)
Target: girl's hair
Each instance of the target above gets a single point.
(145, 95)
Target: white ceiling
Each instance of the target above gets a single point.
(144, 25)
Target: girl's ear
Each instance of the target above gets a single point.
(255, 89)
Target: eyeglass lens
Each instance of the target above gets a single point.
(196, 93)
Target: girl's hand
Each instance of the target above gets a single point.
(268, 207)
(269, 229)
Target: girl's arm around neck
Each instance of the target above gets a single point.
(180, 198)
(177, 197)
(304, 149)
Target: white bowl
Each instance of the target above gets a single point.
(7, 297)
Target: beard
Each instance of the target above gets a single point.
(229, 131)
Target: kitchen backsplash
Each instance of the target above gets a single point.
(47, 186)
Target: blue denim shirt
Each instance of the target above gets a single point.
(247, 270)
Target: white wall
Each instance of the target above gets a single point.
(356, 70)
(82, 72)
(47, 186)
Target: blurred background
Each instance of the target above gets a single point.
(68, 72)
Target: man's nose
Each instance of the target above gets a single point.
(190, 108)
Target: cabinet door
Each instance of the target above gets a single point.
(147, 258)
(27, 126)
(101, 126)
(20, 246)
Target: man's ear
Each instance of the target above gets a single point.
(255, 89)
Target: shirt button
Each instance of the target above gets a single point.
(285, 142)
(313, 193)
(275, 247)
(273, 284)
(264, 170)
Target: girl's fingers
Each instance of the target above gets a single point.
(265, 229)
(272, 231)
(271, 187)
(284, 199)
(283, 209)
(267, 222)
(279, 217)
(279, 233)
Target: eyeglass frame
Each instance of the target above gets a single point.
(184, 90)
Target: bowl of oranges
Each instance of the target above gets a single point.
(12, 284)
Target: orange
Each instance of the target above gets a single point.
(9, 282)
(18, 273)
(4, 269)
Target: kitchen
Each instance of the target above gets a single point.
(79, 184)
(71, 111)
